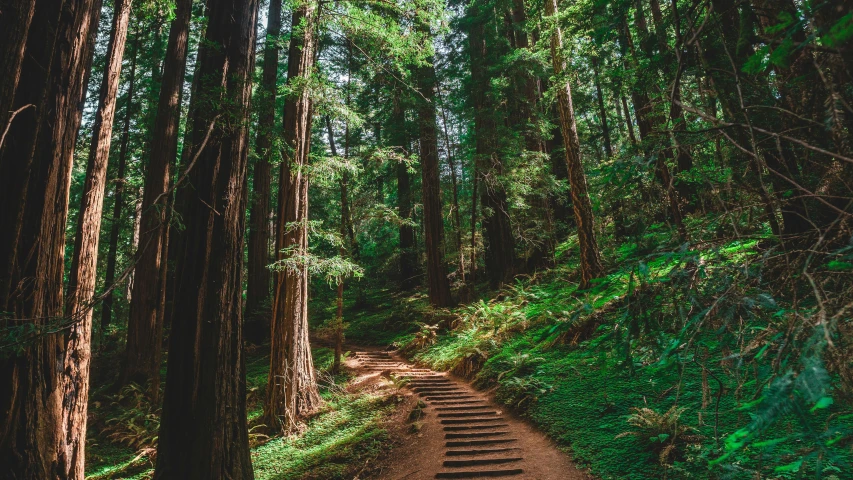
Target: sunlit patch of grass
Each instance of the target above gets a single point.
(337, 443)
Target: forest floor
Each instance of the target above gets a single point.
(599, 372)
(454, 431)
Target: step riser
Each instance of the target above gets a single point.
(460, 421)
(479, 451)
(480, 462)
(475, 427)
(451, 436)
(474, 443)
(481, 474)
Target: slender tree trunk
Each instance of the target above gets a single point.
(453, 177)
(83, 274)
(118, 196)
(203, 433)
(500, 245)
(602, 112)
(648, 122)
(145, 326)
(258, 287)
(346, 232)
(292, 386)
(439, 285)
(40, 434)
(408, 257)
(628, 121)
(590, 256)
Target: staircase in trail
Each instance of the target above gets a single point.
(479, 442)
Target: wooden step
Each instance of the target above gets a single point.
(480, 473)
(466, 414)
(458, 421)
(474, 427)
(476, 462)
(450, 436)
(475, 443)
(479, 451)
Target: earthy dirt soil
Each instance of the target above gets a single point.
(446, 429)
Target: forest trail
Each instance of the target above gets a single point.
(463, 434)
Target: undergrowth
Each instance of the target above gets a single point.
(681, 363)
(338, 442)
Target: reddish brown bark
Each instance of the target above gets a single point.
(258, 286)
(40, 395)
(590, 256)
(145, 325)
(203, 433)
(14, 26)
(500, 245)
(118, 195)
(439, 285)
(408, 256)
(292, 387)
(83, 274)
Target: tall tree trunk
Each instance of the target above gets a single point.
(602, 112)
(292, 386)
(145, 325)
(590, 256)
(118, 196)
(408, 257)
(14, 26)
(84, 265)
(345, 235)
(39, 429)
(258, 287)
(500, 245)
(457, 221)
(203, 433)
(439, 285)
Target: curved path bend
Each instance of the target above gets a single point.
(465, 435)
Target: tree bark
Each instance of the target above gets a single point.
(590, 257)
(602, 112)
(408, 256)
(457, 221)
(40, 434)
(203, 433)
(14, 26)
(258, 287)
(145, 325)
(83, 275)
(439, 285)
(292, 386)
(118, 195)
(500, 245)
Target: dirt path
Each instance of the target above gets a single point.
(463, 434)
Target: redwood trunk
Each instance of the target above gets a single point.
(408, 256)
(292, 386)
(83, 274)
(500, 245)
(602, 112)
(590, 256)
(40, 395)
(203, 433)
(145, 325)
(258, 287)
(118, 200)
(439, 285)
(15, 22)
